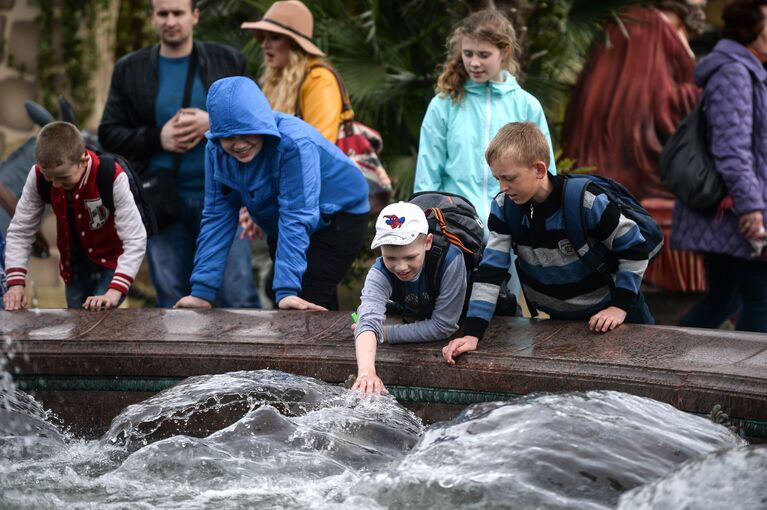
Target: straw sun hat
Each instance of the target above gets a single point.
(291, 18)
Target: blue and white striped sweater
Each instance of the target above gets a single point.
(555, 280)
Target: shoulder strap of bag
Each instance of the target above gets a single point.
(43, 188)
(105, 178)
(191, 68)
(345, 103)
(575, 225)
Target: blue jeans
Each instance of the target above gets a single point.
(88, 279)
(171, 252)
(733, 285)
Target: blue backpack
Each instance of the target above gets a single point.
(575, 218)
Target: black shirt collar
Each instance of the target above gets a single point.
(552, 203)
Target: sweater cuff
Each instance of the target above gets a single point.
(121, 282)
(280, 294)
(202, 291)
(624, 299)
(15, 276)
(475, 327)
(154, 139)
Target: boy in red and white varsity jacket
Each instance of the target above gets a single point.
(100, 250)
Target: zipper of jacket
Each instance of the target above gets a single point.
(487, 142)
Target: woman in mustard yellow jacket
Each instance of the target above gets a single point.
(295, 78)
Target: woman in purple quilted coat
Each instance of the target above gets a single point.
(735, 94)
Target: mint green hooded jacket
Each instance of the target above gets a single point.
(454, 136)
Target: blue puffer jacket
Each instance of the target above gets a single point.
(735, 95)
(291, 188)
(454, 136)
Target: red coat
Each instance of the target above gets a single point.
(115, 240)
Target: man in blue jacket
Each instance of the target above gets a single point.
(298, 188)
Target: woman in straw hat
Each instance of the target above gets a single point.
(294, 79)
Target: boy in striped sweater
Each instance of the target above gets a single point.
(554, 278)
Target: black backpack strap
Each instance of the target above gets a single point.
(105, 178)
(43, 187)
(575, 224)
(434, 260)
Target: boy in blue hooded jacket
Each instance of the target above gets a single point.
(298, 188)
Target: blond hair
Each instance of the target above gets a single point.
(523, 142)
(282, 87)
(489, 25)
(59, 143)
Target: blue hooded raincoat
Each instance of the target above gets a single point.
(291, 188)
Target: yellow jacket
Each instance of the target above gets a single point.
(320, 101)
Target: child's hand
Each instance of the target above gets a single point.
(296, 303)
(458, 346)
(249, 227)
(110, 299)
(192, 302)
(369, 383)
(607, 319)
(15, 298)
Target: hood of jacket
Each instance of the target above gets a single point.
(237, 106)
(507, 84)
(725, 52)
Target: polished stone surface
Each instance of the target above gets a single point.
(692, 369)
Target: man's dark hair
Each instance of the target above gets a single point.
(192, 3)
(743, 20)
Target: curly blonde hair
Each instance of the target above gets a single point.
(282, 87)
(489, 25)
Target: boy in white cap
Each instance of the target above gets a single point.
(401, 275)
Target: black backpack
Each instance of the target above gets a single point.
(452, 220)
(687, 168)
(575, 223)
(105, 181)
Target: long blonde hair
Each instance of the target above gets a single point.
(489, 25)
(282, 87)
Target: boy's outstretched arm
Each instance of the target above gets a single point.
(367, 380)
(488, 279)
(621, 236)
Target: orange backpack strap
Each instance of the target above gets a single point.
(454, 239)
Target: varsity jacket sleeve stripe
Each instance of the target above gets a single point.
(131, 231)
(496, 260)
(621, 236)
(21, 232)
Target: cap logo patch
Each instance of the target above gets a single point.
(394, 221)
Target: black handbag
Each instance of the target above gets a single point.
(159, 186)
(160, 192)
(687, 168)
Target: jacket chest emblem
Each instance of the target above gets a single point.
(98, 214)
(566, 247)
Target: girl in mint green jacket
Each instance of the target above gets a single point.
(477, 95)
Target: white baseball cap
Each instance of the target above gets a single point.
(399, 224)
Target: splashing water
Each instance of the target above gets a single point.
(727, 479)
(268, 439)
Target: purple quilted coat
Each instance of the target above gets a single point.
(735, 90)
